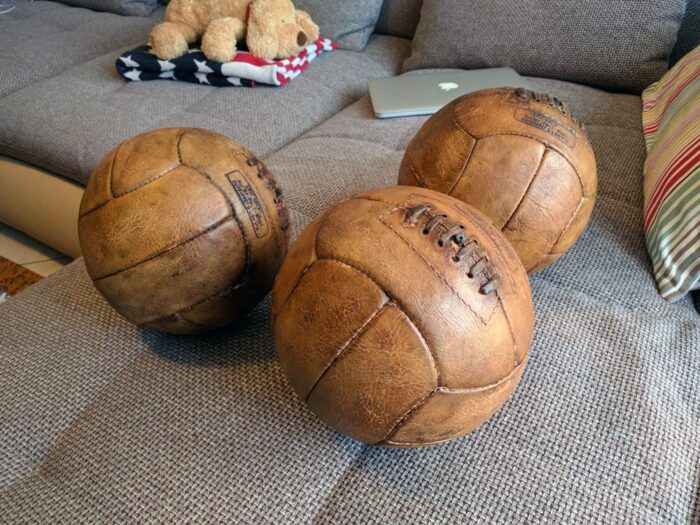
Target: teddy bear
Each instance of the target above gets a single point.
(272, 28)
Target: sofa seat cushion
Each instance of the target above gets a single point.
(67, 123)
(121, 424)
(40, 39)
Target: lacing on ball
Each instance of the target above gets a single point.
(469, 254)
(545, 98)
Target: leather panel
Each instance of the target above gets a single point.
(377, 379)
(130, 229)
(492, 169)
(451, 414)
(179, 278)
(328, 310)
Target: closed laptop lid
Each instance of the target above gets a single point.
(425, 93)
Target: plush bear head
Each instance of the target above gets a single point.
(277, 30)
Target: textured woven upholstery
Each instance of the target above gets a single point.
(120, 7)
(103, 422)
(348, 23)
(68, 122)
(620, 46)
(399, 17)
(40, 39)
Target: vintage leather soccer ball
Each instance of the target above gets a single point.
(182, 230)
(402, 317)
(519, 157)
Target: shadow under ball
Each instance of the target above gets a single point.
(517, 156)
(182, 230)
(402, 317)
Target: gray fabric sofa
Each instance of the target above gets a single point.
(103, 422)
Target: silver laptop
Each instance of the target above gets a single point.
(425, 93)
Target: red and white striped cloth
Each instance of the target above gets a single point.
(275, 72)
(140, 64)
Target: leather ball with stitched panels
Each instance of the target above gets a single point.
(182, 230)
(519, 157)
(402, 317)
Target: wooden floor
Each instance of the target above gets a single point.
(15, 278)
(24, 261)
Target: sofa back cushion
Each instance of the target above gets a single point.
(618, 45)
(689, 33)
(350, 24)
(119, 7)
(399, 18)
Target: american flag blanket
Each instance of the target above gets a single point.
(244, 70)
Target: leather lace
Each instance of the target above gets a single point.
(469, 254)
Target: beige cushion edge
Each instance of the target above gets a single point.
(41, 204)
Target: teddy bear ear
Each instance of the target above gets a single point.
(307, 25)
(261, 37)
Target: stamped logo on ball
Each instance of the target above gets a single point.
(547, 124)
(250, 202)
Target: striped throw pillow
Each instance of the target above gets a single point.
(671, 120)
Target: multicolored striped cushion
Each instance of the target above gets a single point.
(671, 120)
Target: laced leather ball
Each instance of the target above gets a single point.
(182, 230)
(402, 317)
(519, 157)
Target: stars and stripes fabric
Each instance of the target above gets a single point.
(671, 125)
(244, 70)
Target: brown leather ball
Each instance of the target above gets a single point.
(519, 157)
(182, 230)
(402, 317)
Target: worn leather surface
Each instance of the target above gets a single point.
(182, 229)
(520, 157)
(385, 334)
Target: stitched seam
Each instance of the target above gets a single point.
(111, 172)
(393, 300)
(395, 428)
(490, 386)
(186, 309)
(280, 201)
(359, 332)
(471, 150)
(407, 244)
(458, 123)
(136, 188)
(498, 291)
(179, 317)
(529, 185)
(398, 304)
(464, 167)
(568, 224)
(223, 292)
(147, 181)
(512, 333)
(483, 321)
(546, 144)
(110, 179)
(168, 249)
(177, 147)
(446, 390)
(433, 357)
(234, 215)
(316, 258)
(421, 183)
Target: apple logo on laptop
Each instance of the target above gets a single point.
(448, 86)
